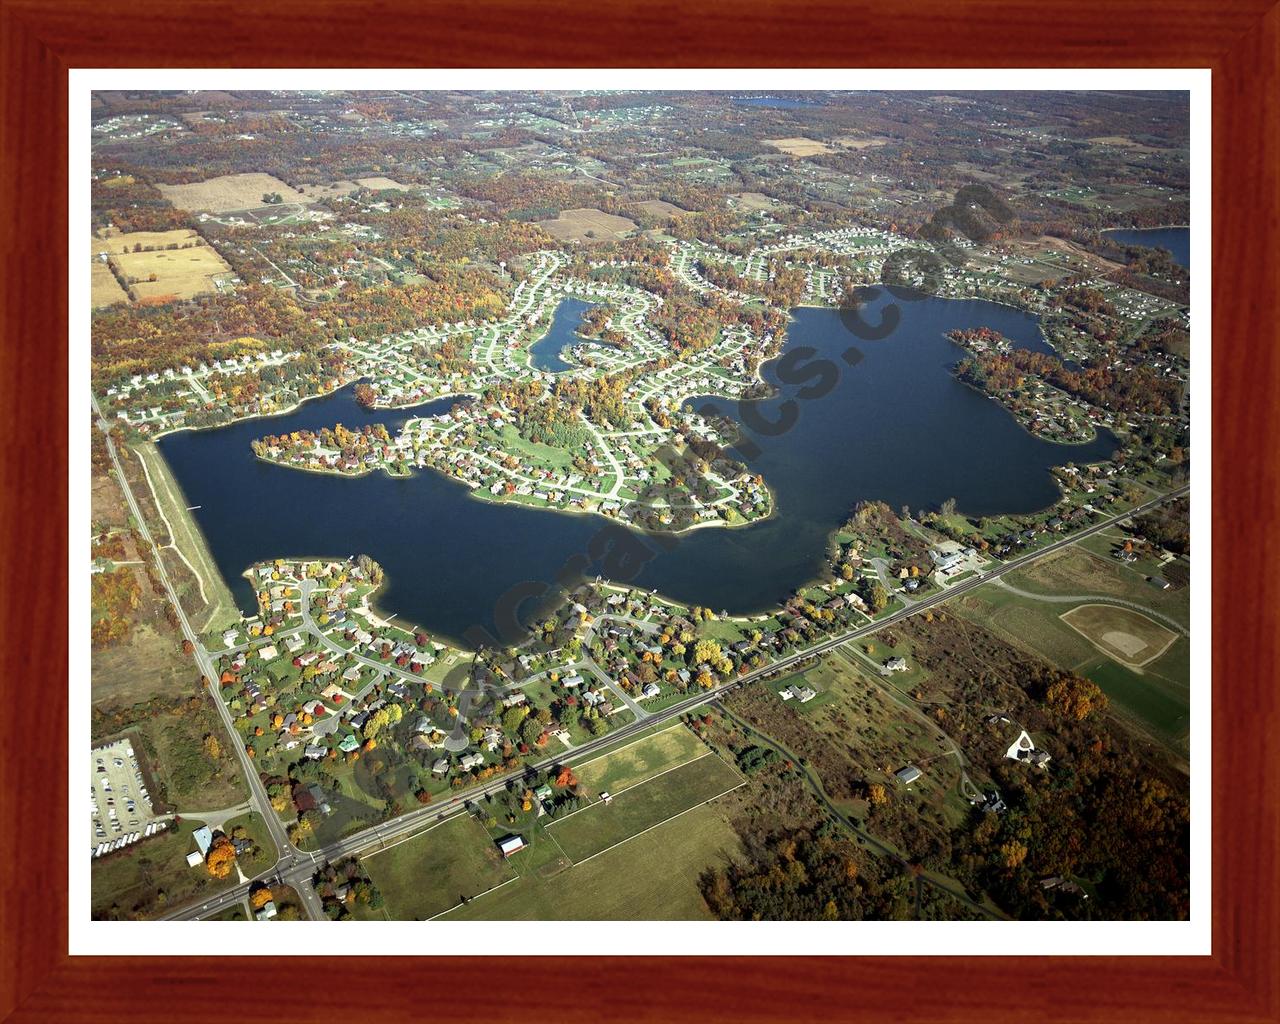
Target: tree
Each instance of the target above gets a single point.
(1074, 697)
(212, 748)
(259, 898)
(1012, 854)
(220, 858)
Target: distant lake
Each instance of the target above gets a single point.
(896, 426)
(774, 101)
(1176, 240)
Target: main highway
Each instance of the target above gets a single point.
(297, 867)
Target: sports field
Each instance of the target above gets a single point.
(438, 869)
(600, 826)
(1127, 636)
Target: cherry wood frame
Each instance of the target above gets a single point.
(41, 39)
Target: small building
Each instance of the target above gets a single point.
(511, 845)
(907, 775)
(194, 859)
(204, 839)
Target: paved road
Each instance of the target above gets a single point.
(257, 793)
(407, 824)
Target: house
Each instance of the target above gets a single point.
(510, 845)
(441, 767)
(319, 799)
(895, 665)
(1024, 749)
(332, 692)
(294, 643)
(266, 911)
(268, 653)
(472, 760)
(513, 700)
(348, 743)
(313, 752)
(650, 690)
(802, 694)
(352, 675)
(907, 775)
(570, 681)
(204, 839)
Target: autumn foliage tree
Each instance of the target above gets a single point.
(220, 858)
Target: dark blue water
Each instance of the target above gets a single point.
(1176, 240)
(774, 101)
(895, 426)
(544, 354)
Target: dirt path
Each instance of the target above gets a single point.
(1094, 599)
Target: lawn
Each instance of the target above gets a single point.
(437, 869)
(639, 761)
(601, 826)
(1153, 701)
(654, 877)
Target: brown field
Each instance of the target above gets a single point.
(379, 184)
(334, 188)
(104, 289)
(798, 146)
(181, 273)
(1125, 636)
(854, 142)
(661, 208)
(229, 192)
(587, 225)
(758, 201)
(114, 242)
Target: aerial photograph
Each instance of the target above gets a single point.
(648, 505)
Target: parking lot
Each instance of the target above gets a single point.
(120, 806)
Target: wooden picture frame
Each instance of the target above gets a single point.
(40, 40)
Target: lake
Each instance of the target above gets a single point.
(776, 102)
(895, 426)
(1176, 240)
(544, 354)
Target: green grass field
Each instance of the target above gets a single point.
(654, 877)
(600, 826)
(632, 764)
(219, 607)
(1154, 701)
(436, 870)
